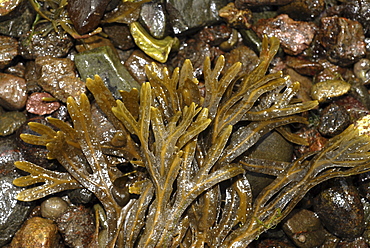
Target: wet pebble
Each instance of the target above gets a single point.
(340, 209)
(20, 22)
(11, 122)
(269, 243)
(242, 54)
(9, 153)
(86, 15)
(362, 70)
(316, 141)
(334, 119)
(12, 212)
(8, 50)
(304, 229)
(215, 35)
(295, 36)
(16, 70)
(81, 196)
(36, 105)
(303, 66)
(153, 17)
(185, 15)
(53, 207)
(358, 10)
(303, 10)
(329, 88)
(238, 18)
(342, 39)
(12, 92)
(77, 226)
(58, 76)
(37, 232)
(119, 35)
(41, 44)
(304, 92)
(252, 3)
(8, 6)
(136, 63)
(357, 243)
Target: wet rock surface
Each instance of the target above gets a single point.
(38, 233)
(8, 50)
(340, 209)
(333, 120)
(12, 92)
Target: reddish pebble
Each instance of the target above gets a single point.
(36, 105)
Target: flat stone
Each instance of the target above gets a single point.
(19, 24)
(135, 64)
(154, 18)
(12, 212)
(58, 77)
(186, 15)
(12, 92)
(36, 105)
(105, 63)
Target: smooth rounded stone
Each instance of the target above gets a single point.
(136, 63)
(295, 36)
(185, 15)
(10, 122)
(19, 21)
(86, 15)
(154, 18)
(321, 91)
(38, 44)
(303, 10)
(333, 120)
(12, 212)
(358, 10)
(77, 226)
(12, 92)
(81, 196)
(8, 50)
(342, 39)
(304, 229)
(119, 34)
(362, 70)
(53, 207)
(58, 77)
(36, 105)
(340, 209)
(37, 232)
(272, 147)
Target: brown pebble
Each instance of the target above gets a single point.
(37, 232)
(295, 36)
(12, 92)
(36, 105)
(8, 50)
(58, 76)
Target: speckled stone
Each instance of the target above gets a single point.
(36, 105)
(12, 92)
(8, 50)
(37, 232)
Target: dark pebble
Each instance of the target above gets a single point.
(340, 209)
(119, 34)
(8, 50)
(333, 120)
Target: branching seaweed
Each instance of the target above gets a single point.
(194, 192)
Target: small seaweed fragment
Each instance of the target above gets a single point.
(193, 191)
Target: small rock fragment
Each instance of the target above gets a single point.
(77, 226)
(186, 15)
(58, 76)
(238, 18)
(329, 88)
(153, 16)
(333, 120)
(53, 207)
(244, 54)
(12, 92)
(342, 39)
(38, 44)
(8, 50)
(358, 10)
(36, 105)
(86, 15)
(303, 10)
(303, 66)
(135, 64)
(305, 229)
(119, 35)
(340, 209)
(10, 122)
(215, 35)
(37, 232)
(295, 36)
(20, 23)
